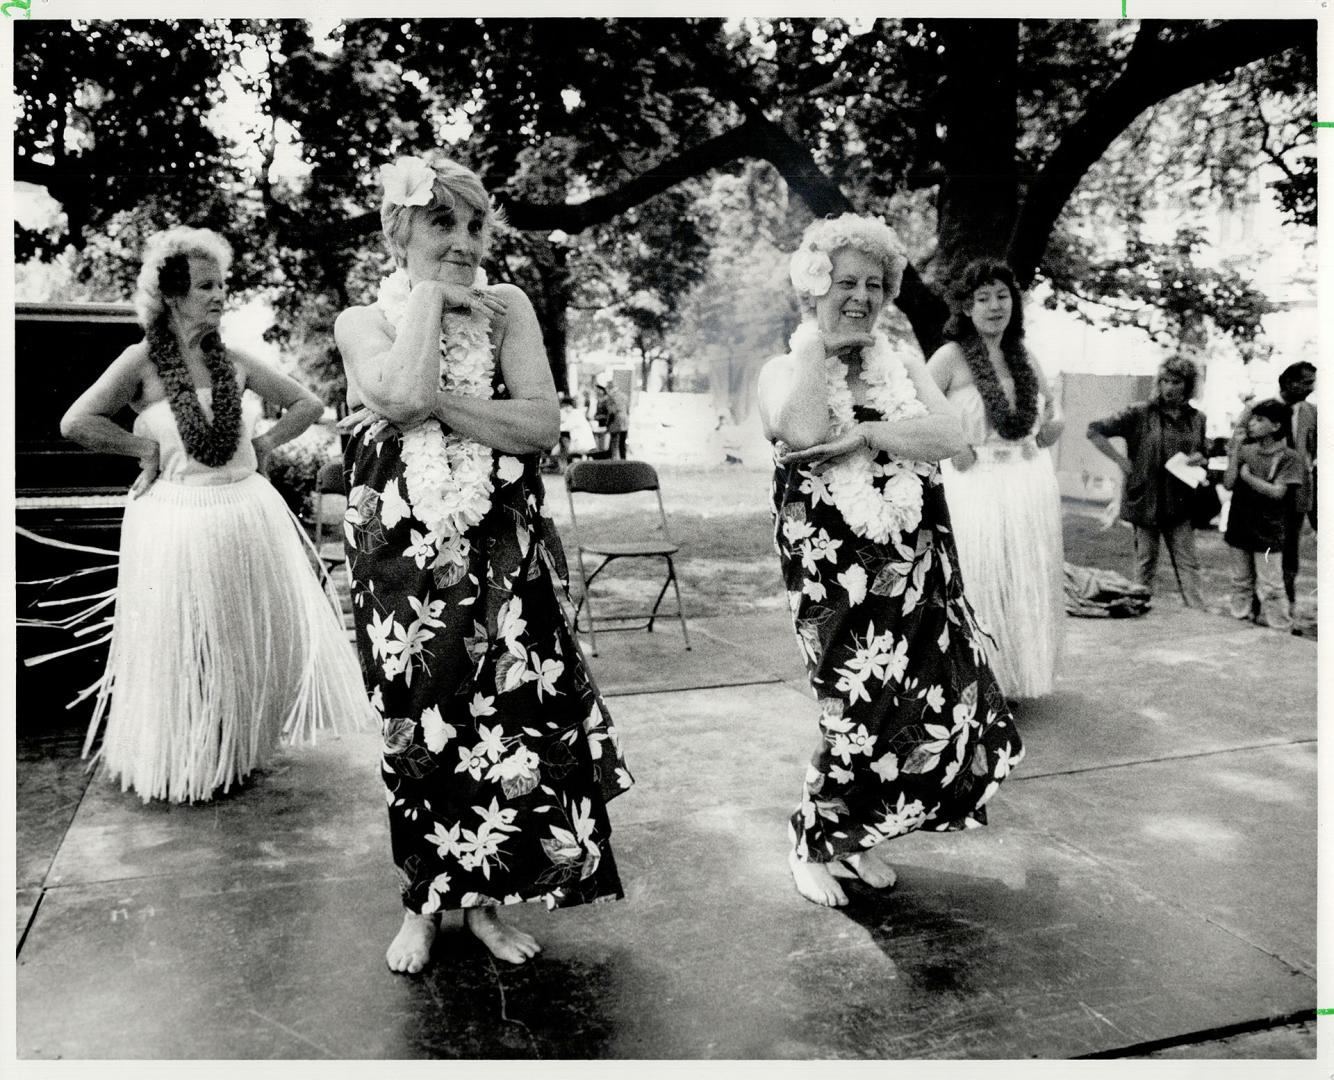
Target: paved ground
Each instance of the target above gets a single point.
(1146, 888)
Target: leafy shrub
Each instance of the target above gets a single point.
(293, 466)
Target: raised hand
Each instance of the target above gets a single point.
(840, 341)
(477, 299)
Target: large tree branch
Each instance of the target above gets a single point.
(755, 138)
(1154, 71)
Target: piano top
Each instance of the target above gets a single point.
(59, 351)
(34, 311)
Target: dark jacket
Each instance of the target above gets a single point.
(1153, 498)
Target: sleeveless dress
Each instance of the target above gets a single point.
(915, 733)
(499, 756)
(1006, 510)
(223, 639)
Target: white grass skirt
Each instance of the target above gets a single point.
(224, 641)
(1006, 515)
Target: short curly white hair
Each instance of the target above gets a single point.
(825, 236)
(179, 240)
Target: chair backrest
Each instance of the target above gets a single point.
(329, 480)
(611, 477)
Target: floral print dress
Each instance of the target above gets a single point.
(914, 732)
(499, 757)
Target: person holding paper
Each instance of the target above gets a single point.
(1155, 501)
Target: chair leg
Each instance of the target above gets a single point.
(680, 611)
(652, 615)
(586, 599)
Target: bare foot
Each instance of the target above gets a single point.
(410, 951)
(815, 882)
(870, 866)
(505, 942)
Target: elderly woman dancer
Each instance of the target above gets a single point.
(915, 733)
(1004, 503)
(223, 638)
(499, 758)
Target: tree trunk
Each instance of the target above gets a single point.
(979, 198)
(554, 275)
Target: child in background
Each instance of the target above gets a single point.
(1260, 470)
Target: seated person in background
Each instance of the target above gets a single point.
(1261, 471)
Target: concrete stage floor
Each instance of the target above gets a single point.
(1147, 886)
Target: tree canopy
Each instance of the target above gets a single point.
(1042, 142)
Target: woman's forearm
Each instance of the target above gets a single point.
(1232, 472)
(401, 385)
(104, 435)
(514, 425)
(297, 417)
(1102, 443)
(923, 438)
(799, 412)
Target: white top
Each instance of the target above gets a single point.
(967, 402)
(176, 466)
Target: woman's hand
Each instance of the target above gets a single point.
(842, 341)
(476, 299)
(845, 444)
(964, 460)
(148, 466)
(355, 422)
(1111, 513)
(263, 447)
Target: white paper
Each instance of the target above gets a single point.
(1179, 466)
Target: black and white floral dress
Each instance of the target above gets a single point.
(499, 756)
(914, 732)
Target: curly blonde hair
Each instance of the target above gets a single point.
(455, 186)
(867, 234)
(180, 240)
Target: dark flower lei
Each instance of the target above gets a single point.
(210, 444)
(1008, 423)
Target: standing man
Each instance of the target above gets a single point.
(1154, 501)
(615, 417)
(1295, 385)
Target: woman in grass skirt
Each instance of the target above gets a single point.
(1002, 491)
(223, 639)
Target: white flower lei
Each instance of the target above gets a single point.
(875, 500)
(448, 477)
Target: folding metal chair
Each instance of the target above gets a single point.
(621, 478)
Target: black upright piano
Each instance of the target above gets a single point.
(59, 487)
(62, 492)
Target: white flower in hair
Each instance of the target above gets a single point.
(407, 182)
(811, 270)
